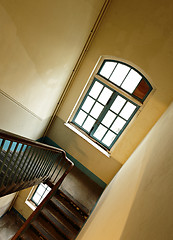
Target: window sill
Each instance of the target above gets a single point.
(28, 200)
(74, 129)
(30, 204)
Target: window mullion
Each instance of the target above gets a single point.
(102, 115)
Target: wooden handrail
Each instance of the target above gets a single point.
(41, 205)
(16, 138)
(25, 163)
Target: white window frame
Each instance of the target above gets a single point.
(93, 75)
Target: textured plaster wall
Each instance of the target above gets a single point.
(141, 34)
(5, 203)
(137, 204)
(40, 42)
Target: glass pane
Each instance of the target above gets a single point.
(88, 104)
(96, 110)
(44, 195)
(105, 95)
(119, 74)
(107, 69)
(108, 119)
(80, 117)
(118, 125)
(89, 123)
(127, 110)
(131, 81)
(118, 104)
(36, 198)
(96, 89)
(40, 189)
(109, 138)
(99, 133)
(48, 189)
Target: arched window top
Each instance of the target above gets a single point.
(126, 78)
(112, 97)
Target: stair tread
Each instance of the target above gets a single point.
(46, 229)
(41, 230)
(60, 217)
(59, 222)
(67, 212)
(68, 196)
(71, 205)
(30, 235)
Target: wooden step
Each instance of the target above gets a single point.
(72, 207)
(29, 234)
(59, 222)
(76, 206)
(68, 213)
(45, 229)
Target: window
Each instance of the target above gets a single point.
(113, 98)
(40, 193)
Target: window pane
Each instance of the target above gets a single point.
(118, 104)
(96, 89)
(105, 95)
(118, 125)
(89, 123)
(119, 74)
(131, 81)
(36, 198)
(127, 110)
(109, 138)
(48, 189)
(44, 195)
(108, 119)
(88, 104)
(107, 69)
(40, 189)
(96, 110)
(99, 133)
(80, 117)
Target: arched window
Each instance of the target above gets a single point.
(111, 101)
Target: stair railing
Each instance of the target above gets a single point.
(34, 214)
(25, 163)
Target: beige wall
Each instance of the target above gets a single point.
(137, 204)
(141, 33)
(40, 42)
(20, 204)
(5, 203)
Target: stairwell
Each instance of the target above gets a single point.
(61, 218)
(63, 212)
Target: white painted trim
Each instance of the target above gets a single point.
(87, 138)
(28, 200)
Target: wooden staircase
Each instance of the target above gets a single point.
(25, 163)
(60, 219)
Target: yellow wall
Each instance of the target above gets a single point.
(141, 33)
(137, 204)
(20, 204)
(39, 46)
(40, 42)
(5, 203)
